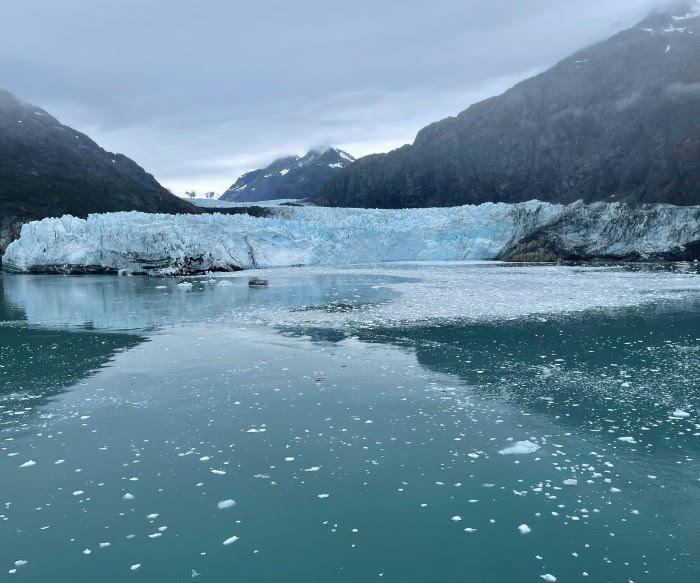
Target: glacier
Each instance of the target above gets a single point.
(159, 244)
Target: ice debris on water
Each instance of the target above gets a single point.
(520, 448)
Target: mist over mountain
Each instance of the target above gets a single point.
(290, 177)
(617, 121)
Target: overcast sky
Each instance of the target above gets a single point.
(199, 91)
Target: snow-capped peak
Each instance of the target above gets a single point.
(290, 177)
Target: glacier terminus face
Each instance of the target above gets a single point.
(160, 244)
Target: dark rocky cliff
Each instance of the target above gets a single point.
(48, 169)
(290, 177)
(618, 121)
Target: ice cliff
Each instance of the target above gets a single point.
(186, 244)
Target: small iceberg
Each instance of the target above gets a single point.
(520, 448)
(680, 414)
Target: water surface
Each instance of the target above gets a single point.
(327, 428)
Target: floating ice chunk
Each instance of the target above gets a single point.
(184, 284)
(312, 469)
(570, 482)
(78, 493)
(520, 448)
(218, 472)
(28, 464)
(152, 516)
(470, 530)
(524, 529)
(322, 496)
(289, 459)
(20, 563)
(135, 566)
(226, 504)
(105, 545)
(87, 552)
(456, 519)
(230, 541)
(549, 578)
(627, 439)
(128, 496)
(680, 414)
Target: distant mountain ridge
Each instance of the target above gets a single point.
(289, 177)
(617, 121)
(48, 169)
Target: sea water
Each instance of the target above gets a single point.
(413, 422)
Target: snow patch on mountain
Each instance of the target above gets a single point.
(291, 177)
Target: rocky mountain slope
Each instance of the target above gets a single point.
(291, 177)
(48, 169)
(617, 121)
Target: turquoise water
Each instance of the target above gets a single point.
(156, 432)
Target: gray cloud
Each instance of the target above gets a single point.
(199, 92)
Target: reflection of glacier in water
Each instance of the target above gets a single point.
(366, 297)
(37, 364)
(136, 303)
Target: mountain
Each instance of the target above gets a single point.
(291, 177)
(48, 169)
(618, 121)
